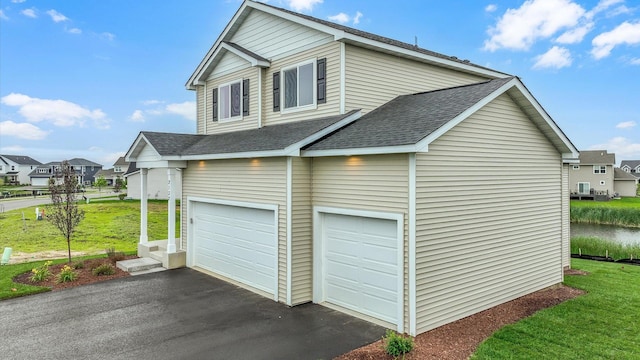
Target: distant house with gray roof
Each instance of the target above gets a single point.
(15, 169)
(85, 172)
(340, 167)
(631, 166)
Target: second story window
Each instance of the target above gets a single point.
(231, 101)
(301, 86)
(599, 169)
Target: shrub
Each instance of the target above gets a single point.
(66, 274)
(122, 196)
(78, 265)
(103, 269)
(41, 273)
(396, 344)
(114, 255)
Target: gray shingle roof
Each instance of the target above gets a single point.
(408, 119)
(275, 137)
(248, 52)
(631, 163)
(596, 157)
(619, 174)
(22, 159)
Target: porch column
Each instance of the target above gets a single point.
(171, 238)
(143, 207)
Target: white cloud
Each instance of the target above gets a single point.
(151, 102)
(303, 5)
(575, 35)
(3, 16)
(621, 146)
(340, 18)
(58, 112)
(74, 31)
(619, 11)
(635, 61)
(186, 109)
(22, 130)
(557, 57)
(343, 18)
(18, 1)
(626, 125)
(56, 16)
(107, 36)
(626, 33)
(491, 8)
(137, 116)
(536, 19)
(29, 13)
(602, 5)
(356, 19)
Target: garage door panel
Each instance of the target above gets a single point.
(360, 264)
(237, 242)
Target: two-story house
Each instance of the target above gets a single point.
(593, 177)
(15, 169)
(85, 171)
(631, 167)
(118, 171)
(372, 176)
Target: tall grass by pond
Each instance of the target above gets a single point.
(595, 213)
(588, 245)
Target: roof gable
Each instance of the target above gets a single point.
(331, 32)
(632, 164)
(20, 159)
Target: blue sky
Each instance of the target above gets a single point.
(81, 78)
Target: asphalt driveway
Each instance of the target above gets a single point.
(178, 314)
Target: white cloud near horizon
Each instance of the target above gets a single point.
(137, 116)
(635, 61)
(356, 19)
(3, 16)
(56, 16)
(624, 34)
(342, 18)
(59, 112)
(575, 35)
(29, 13)
(18, 1)
(621, 146)
(24, 131)
(303, 5)
(626, 125)
(557, 57)
(185, 109)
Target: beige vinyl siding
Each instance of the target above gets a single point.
(329, 51)
(273, 37)
(301, 232)
(373, 183)
(250, 180)
(200, 104)
(585, 174)
(247, 122)
(229, 63)
(374, 78)
(566, 219)
(488, 215)
(625, 187)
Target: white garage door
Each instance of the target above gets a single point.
(360, 266)
(237, 242)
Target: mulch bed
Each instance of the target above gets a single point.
(85, 276)
(459, 339)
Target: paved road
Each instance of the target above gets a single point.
(176, 314)
(25, 202)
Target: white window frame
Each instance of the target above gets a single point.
(230, 118)
(599, 169)
(314, 85)
(588, 188)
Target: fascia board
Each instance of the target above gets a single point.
(191, 83)
(236, 155)
(401, 149)
(133, 150)
(294, 149)
(525, 92)
(250, 59)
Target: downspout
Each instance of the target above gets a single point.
(259, 97)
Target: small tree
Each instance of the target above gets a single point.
(118, 185)
(100, 183)
(63, 212)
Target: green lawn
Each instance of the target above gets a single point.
(602, 324)
(622, 212)
(625, 202)
(107, 224)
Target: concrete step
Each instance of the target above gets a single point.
(157, 255)
(139, 264)
(149, 271)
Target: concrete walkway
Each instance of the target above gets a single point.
(176, 314)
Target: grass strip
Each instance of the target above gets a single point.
(601, 324)
(588, 245)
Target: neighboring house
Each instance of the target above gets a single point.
(85, 171)
(631, 166)
(15, 169)
(332, 165)
(120, 167)
(157, 183)
(625, 184)
(593, 177)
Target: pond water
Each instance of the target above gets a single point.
(607, 232)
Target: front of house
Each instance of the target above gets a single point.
(374, 177)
